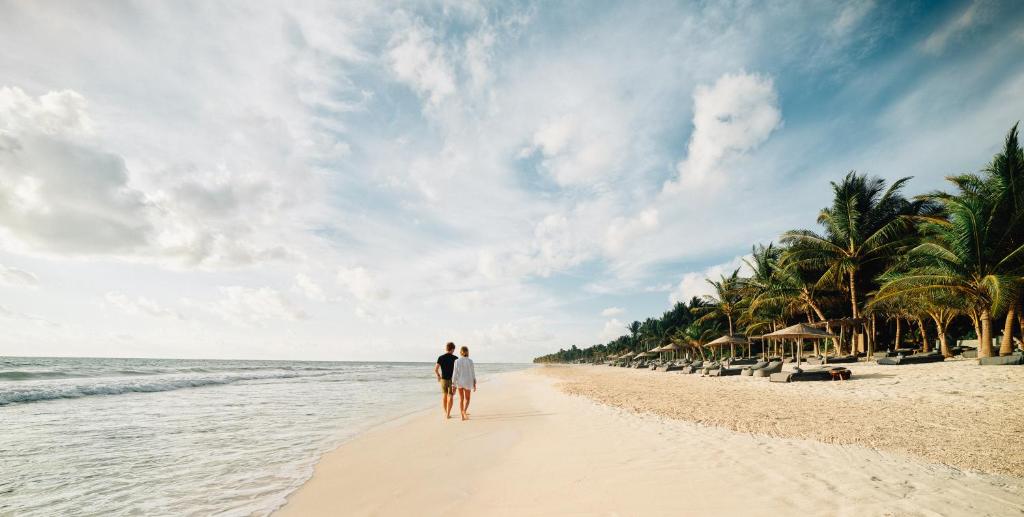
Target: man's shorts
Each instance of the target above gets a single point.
(446, 385)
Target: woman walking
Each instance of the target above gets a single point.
(464, 378)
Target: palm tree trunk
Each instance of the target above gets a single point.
(871, 337)
(985, 338)
(977, 324)
(940, 327)
(855, 312)
(899, 334)
(1020, 322)
(926, 346)
(1006, 345)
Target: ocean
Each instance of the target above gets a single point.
(89, 436)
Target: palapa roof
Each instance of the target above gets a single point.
(728, 340)
(799, 331)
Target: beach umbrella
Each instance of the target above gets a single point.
(671, 347)
(799, 332)
(732, 341)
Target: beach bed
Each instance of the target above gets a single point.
(1006, 360)
(931, 357)
(828, 374)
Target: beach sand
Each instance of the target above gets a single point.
(531, 448)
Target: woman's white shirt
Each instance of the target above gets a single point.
(464, 375)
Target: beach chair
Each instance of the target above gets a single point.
(931, 357)
(1006, 360)
(827, 374)
(756, 366)
(693, 367)
(772, 368)
(708, 367)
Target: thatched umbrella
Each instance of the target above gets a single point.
(671, 347)
(732, 341)
(799, 332)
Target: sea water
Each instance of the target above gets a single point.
(185, 437)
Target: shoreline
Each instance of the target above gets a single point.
(531, 448)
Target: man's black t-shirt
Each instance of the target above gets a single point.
(447, 362)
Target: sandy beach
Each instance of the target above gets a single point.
(577, 441)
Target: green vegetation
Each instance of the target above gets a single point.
(950, 264)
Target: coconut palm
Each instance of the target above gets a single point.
(1005, 174)
(726, 301)
(634, 332)
(963, 257)
(866, 226)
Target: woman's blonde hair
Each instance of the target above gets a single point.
(464, 351)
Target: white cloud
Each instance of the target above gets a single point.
(695, 283)
(64, 194)
(612, 311)
(309, 288)
(954, 28)
(17, 316)
(13, 276)
(240, 304)
(362, 285)
(613, 328)
(140, 305)
(850, 17)
(731, 117)
(417, 60)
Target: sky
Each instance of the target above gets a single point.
(368, 180)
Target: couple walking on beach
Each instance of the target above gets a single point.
(455, 373)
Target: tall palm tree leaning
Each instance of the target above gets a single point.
(866, 226)
(974, 253)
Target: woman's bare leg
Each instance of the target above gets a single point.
(462, 402)
(469, 396)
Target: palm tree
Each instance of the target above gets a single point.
(634, 331)
(967, 256)
(1005, 173)
(726, 302)
(697, 334)
(866, 226)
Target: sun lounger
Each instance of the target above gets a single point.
(693, 367)
(742, 361)
(832, 360)
(1014, 359)
(772, 368)
(932, 357)
(756, 366)
(724, 371)
(708, 367)
(828, 374)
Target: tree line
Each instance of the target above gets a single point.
(891, 270)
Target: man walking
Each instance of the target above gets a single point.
(444, 367)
